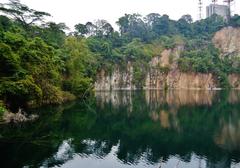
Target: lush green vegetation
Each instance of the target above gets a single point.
(41, 64)
(2, 109)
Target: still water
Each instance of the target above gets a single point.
(177, 129)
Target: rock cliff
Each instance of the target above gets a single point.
(227, 40)
(118, 80)
(163, 72)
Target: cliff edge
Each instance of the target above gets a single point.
(163, 71)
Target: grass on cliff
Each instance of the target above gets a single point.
(2, 110)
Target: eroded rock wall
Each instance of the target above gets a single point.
(226, 40)
(117, 80)
(155, 79)
(178, 80)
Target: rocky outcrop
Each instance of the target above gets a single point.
(234, 81)
(227, 40)
(174, 79)
(117, 80)
(19, 117)
(156, 78)
(178, 80)
(163, 72)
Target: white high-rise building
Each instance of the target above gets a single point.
(222, 10)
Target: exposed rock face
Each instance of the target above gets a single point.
(178, 80)
(164, 73)
(118, 80)
(227, 40)
(234, 81)
(158, 80)
(155, 79)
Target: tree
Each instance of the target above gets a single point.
(205, 28)
(5, 23)
(80, 66)
(152, 18)
(103, 28)
(184, 25)
(162, 26)
(187, 18)
(81, 29)
(132, 26)
(235, 21)
(57, 26)
(54, 34)
(91, 28)
(22, 13)
(10, 62)
(123, 23)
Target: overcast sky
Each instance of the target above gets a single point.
(72, 12)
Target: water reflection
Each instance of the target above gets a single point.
(131, 129)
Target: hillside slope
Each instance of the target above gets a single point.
(164, 71)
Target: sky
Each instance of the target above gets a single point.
(72, 12)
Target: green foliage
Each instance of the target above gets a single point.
(235, 21)
(2, 109)
(53, 34)
(5, 23)
(81, 29)
(9, 60)
(207, 27)
(53, 94)
(202, 60)
(19, 93)
(154, 26)
(22, 13)
(134, 50)
(80, 66)
(167, 42)
(81, 85)
(32, 69)
(163, 69)
(139, 73)
(154, 48)
(206, 59)
(222, 79)
(41, 64)
(132, 26)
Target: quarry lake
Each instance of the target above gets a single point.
(173, 129)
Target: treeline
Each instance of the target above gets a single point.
(41, 64)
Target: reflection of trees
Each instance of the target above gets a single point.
(180, 97)
(228, 136)
(234, 97)
(115, 99)
(64, 153)
(196, 115)
(98, 148)
(32, 143)
(138, 126)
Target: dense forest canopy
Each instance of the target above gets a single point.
(41, 64)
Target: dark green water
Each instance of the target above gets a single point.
(178, 129)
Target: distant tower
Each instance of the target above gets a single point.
(214, 6)
(221, 10)
(200, 9)
(229, 2)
